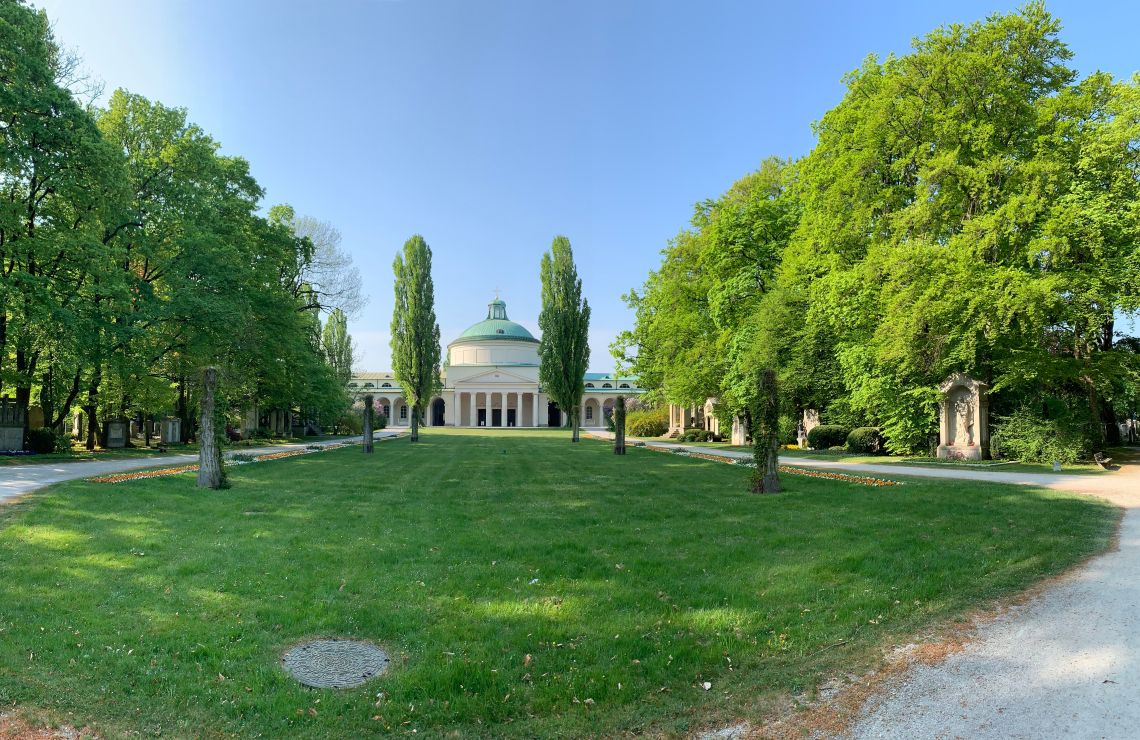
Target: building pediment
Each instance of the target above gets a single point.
(495, 376)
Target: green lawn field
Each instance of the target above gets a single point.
(524, 586)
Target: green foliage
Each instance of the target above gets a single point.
(968, 207)
(564, 349)
(1030, 436)
(135, 256)
(868, 440)
(647, 422)
(415, 333)
(40, 441)
(826, 436)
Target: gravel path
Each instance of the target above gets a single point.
(17, 480)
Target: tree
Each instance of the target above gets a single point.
(338, 346)
(765, 428)
(415, 333)
(367, 444)
(564, 350)
(619, 426)
(211, 471)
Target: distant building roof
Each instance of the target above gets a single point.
(496, 326)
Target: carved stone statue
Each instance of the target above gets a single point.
(963, 419)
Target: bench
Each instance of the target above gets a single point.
(1102, 460)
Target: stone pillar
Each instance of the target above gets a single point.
(503, 409)
(456, 409)
(534, 408)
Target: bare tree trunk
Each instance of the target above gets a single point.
(210, 473)
(416, 423)
(765, 435)
(367, 425)
(574, 421)
(619, 426)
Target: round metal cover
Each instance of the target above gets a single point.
(334, 664)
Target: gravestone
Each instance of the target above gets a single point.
(115, 434)
(171, 430)
(11, 425)
(739, 431)
(963, 419)
(35, 417)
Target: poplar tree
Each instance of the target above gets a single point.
(337, 345)
(415, 333)
(564, 349)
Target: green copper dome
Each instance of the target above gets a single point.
(496, 326)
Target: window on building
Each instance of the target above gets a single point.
(403, 412)
(352, 385)
(589, 413)
(624, 385)
(385, 385)
(589, 385)
(607, 385)
(368, 385)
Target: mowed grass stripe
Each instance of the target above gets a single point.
(155, 607)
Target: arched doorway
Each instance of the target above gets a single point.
(437, 409)
(553, 415)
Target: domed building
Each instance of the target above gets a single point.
(490, 379)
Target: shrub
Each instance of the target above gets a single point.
(41, 441)
(826, 436)
(379, 421)
(868, 440)
(647, 423)
(1027, 435)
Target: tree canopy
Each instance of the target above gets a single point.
(971, 206)
(564, 350)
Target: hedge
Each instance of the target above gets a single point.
(826, 436)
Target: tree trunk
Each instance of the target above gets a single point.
(765, 435)
(367, 446)
(210, 473)
(416, 423)
(619, 426)
(574, 422)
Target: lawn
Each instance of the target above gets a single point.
(524, 586)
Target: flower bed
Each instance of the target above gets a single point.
(862, 480)
(139, 475)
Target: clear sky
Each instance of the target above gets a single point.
(491, 126)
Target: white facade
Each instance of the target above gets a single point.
(490, 379)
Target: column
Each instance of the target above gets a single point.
(503, 408)
(534, 408)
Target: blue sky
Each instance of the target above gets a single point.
(490, 127)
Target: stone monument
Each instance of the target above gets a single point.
(115, 434)
(11, 425)
(963, 419)
(171, 430)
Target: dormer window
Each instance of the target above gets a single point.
(500, 331)
(624, 385)
(385, 385)
(606, 385)
(589, 385)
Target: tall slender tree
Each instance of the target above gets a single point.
(564, 349)
(338, 346)
(415, 333)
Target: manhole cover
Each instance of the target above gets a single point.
(334, 664)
